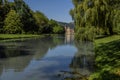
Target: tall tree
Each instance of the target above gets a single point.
(4, 9)
(98, 15)
(28, 20)
(12, 23)
(41, 21)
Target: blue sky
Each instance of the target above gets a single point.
(53, 9)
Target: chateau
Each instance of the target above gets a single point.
(69, 30)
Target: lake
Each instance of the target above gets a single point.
(47, 58)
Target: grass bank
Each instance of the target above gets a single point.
(107, 54)
(16, 36)
(107, 39)
(6, 52)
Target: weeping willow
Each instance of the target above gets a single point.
(95, 17)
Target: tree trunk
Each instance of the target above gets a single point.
(111, 30)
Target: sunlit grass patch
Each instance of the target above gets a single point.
(16, 36)
(107, 39)
(107, 53)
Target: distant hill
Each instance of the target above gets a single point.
(71, 25)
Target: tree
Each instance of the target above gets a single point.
(41, 21)
(27, 18)
(4, 9)
(98, 15)
(12, 23)
(58, 29)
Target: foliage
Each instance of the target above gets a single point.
(117, 22)
(100, 14)
(41, 21)
(85, 34)
(12, 24)
(52, 23)
(28, 21)
(4, 9)
(58, 29)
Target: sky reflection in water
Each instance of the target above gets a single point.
(47, 58)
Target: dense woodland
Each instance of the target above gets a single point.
(17, 18)
(96, 17)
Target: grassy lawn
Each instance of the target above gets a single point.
(16, 36)
(107, 39)
(107, 58)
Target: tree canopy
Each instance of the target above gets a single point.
(99, 16)
(17, 17)
(12, 23)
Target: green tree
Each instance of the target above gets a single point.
(55, 27)
(41, 21)
(4, 9)
(58, 29)
(12, 23)
(27, 18)
(52, 23)
(98, 15)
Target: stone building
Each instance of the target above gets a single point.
(69, 30)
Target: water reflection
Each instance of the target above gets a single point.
(83, 61)
(2, 51)
(84, 58)
(69, 39)
(48, 58)
(82, 64)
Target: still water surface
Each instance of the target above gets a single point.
(47, 58)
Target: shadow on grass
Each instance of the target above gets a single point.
(101, 36)
(107, 61)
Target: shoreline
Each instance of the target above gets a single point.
(8, 37)
(14, 37)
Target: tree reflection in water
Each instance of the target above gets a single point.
(80, 67)
(16, 55)
(82, 64)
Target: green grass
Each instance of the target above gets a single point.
(16, 36)
(107, 58)
(107, 39)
